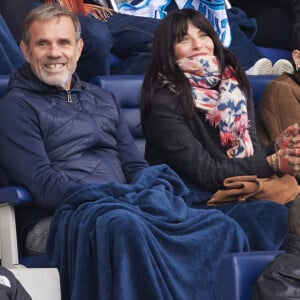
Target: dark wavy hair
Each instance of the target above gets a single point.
(163, 62)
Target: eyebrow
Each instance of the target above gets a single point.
(61, 40)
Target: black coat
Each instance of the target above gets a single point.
(10, 287)
(193, 148)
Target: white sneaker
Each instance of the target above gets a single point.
(262, 67)
(282, 66)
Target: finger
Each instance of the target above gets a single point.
(295, 170)
(292, 152)
(292, 130)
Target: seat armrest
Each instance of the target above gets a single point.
(14, 195)
(10, 197)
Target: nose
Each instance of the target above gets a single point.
(54, 50)
(196, 43)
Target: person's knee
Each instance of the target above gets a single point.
(95, 33)
(124, 223)
(95, 57)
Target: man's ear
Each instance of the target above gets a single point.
(79, 47)
(296, 58)
(25, 50)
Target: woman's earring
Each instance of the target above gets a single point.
(297, 68)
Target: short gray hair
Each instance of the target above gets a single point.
(48, 12)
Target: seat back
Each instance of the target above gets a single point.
(258, 84)
(239, 272)
(126, 89)
(275, 54)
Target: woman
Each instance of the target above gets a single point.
(279, 106)
(197, 116)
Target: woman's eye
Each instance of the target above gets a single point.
(184, 39)
(203, 35)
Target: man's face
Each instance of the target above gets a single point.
(53, 51)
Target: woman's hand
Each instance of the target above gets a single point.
(286, 161)
(290, 138)
(100, 12)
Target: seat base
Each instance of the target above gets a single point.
(40, 283)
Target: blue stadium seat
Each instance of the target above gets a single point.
(239, 272)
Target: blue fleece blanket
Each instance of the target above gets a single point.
(140, 241)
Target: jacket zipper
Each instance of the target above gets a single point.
(69, 97)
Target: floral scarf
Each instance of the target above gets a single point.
(222, 100)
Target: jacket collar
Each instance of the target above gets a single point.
(25, 78)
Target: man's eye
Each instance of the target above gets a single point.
(42, 44)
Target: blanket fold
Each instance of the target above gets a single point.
(140, 241)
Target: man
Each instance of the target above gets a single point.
(120, 229)
(53, 58)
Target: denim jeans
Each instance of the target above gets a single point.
(95, 57)
(128, 37)
(10, 54)
(243, 30)
(36, 239)
(132, 38)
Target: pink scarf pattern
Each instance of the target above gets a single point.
(222, 100)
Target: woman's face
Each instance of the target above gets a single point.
(194, 43)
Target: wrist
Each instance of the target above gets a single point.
(273, 162)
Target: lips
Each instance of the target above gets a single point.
(55, 67)
(199, 54)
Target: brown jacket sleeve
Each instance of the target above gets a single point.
(279, 108)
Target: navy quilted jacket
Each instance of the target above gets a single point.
(52, 139)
